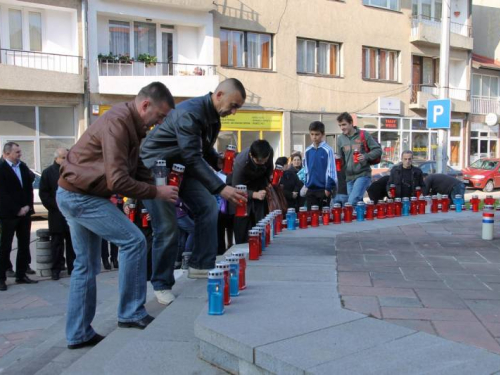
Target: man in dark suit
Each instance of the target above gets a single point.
(16, 208)
(58, 227)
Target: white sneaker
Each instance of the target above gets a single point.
(165, 297)
(195, 273)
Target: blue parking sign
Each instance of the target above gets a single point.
(439, 114)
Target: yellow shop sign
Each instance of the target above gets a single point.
(253, 120)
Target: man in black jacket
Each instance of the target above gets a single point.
(405, 176)
(291, 184)
(16, 208)
(58, 227)
(438, 183)
(252, 167)
(187, 136)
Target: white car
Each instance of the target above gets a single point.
(39, 208)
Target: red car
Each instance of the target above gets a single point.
(483, 174)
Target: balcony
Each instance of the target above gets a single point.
(183, 80)
(421, 94)
(483, 106)
(39, 71)
(198, 5)
(427, 31)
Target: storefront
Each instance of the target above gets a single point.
(39, 130)
(483, 141)
(245, 127)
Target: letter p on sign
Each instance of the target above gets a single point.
(439, 114)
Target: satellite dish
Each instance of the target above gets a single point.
(491, 119)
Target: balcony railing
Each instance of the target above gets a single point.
(455, 28)
(41, 60)
(136, 68)
(483, 106)
(453, 93)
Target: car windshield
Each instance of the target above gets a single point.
(484, 164)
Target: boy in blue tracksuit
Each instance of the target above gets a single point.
(319, 168)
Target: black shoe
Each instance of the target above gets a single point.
(3, 286)
(56, 275)
(10, 273)
(141, 324)
(115, 263)
(29, 271)
(106, 264)
(25, 280)
(93, 341)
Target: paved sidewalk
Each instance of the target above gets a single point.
(441, 278)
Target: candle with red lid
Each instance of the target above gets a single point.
(418, 192)
(229, 159)
(390, 208)
(489, 200)
(398, 207)
(326, 215)
(337, 213)
(356, 156)
(132, 212)
(474, 201)
(445, 204)
(314, 216)
(392, 190)
(370, 209)
(302, 218)
(279, 221)
(241, 208)
(348, 213)
(381, 210)
(277, 174)
(253, 244)
(434, 204)
(338, 163)
(414, 206)
(176, 174)
(144, 218)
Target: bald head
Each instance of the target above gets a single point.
(60, 155)
(229, 96)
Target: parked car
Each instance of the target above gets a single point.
(483, 174)
(384, 169)
(37, 202)
(430, 167)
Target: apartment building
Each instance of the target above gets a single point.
(135, 42)
(485, 113)
(41, 76)
(311, 60)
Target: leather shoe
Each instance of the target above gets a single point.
(26, 280)
(3, 286)
(141, 324)
(56, 275)
(93, 341)
(29, 271)
(10, 273)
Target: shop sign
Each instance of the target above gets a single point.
(253, 120)
(491, 119)
(389, 123)
(391, 106)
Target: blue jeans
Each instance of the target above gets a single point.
(91, 218)
(340, 198)
(186, 224)
(356, 189)
(165, 237)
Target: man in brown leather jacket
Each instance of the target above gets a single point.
(105, 161)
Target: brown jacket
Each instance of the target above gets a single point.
(105, 160)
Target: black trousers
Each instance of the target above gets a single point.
(242, 225)
(60, 241)
(317, 198)
(225, 223)
(105, 251)
(21, 227)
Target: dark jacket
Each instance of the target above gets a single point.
(377, 191)
(396, 177)
(13, 196)
(105, 160)
(291, 183)
(439, 183)
(48, 189)
(346, 146)
(245, 172)
(187, 136)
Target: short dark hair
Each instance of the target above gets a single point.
(260, 149)
(157, 92)
(232, 84)
(317, 126)
(7, 148)
(345, 116)
(282, 160)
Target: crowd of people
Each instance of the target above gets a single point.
(89, 222)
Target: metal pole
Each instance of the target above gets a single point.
(444, 83)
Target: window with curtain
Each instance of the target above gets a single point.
(35, 22)
(317, 57)
(16, 28)
(119, 38)
(380, 64)
(245, 49)
(388, 4)
(145, 38)
(231, 45)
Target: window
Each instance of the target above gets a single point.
(243, 49)
(485, 86)
(380, 64)
(427, 9)
(145, 38)
(35, 23)
(119, 38)
(16, 29)
(317, 57)
(388, 4)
